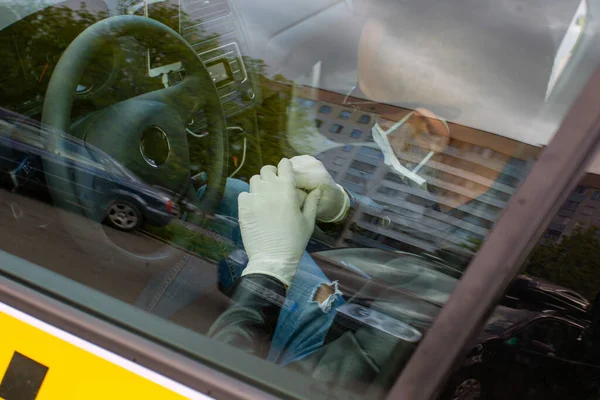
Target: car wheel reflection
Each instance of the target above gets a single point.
(469, 389)
(124, 216)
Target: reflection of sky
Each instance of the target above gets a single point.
(491, 60)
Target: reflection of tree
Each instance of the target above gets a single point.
(574, 262)
(278, 118)
(30, 48)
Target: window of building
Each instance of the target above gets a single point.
(579, 190)
(347, 148)
(306, 103)
(363, 166)
(336, 128)
(588, 210)
(488, 153)
(325, 109)
(596, 195)
(562, 220)
(476, 149)
(345, 114)
(559, 227)
(356, 133)
(364, 119)
(570, 205)
(462, 233)
(357, 180)
(496, 194)
(508, 180)
(388, 191)
(371, 152)
(393, 177)
(552, 235)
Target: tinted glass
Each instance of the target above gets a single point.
(142, 159)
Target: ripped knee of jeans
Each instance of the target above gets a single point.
(325, 295)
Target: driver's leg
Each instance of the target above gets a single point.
(303, 326)
(303, 322)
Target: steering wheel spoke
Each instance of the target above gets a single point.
(187, 97)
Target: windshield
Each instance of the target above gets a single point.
(333, 168)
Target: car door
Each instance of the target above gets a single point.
(540, 346)
(583, 370)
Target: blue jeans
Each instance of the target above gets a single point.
(303, 323)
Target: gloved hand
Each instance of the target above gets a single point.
(275, 231)
(310, 175)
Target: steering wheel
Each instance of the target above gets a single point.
(122, 129)
(132, 130)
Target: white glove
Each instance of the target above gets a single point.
(275, 231)
(310, 175)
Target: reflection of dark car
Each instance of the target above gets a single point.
(520, 353)
(525, 354)
(538, 294)
(102, 188)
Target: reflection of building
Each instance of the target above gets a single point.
(484, 168)
(581, 209)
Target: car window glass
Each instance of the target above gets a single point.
(403, 140)
(549, 333)
(21, 133)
